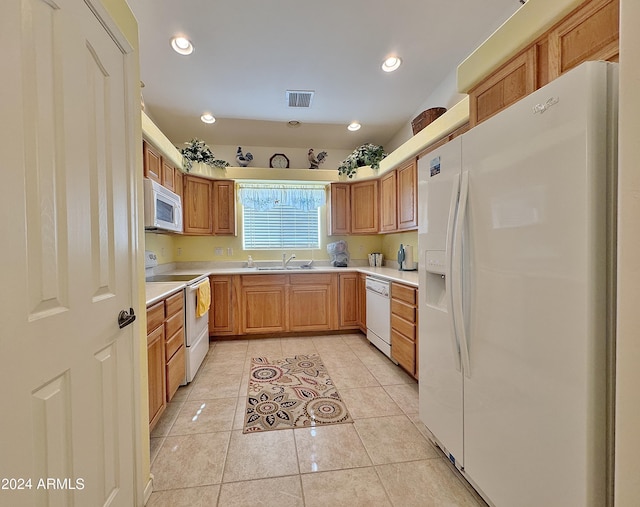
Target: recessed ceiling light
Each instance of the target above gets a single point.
(208, 118)
(182, 45)
(391, 63)
(353, 126)
(293, 123)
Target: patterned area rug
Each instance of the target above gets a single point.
(294, 392)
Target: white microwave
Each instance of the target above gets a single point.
(162, 208)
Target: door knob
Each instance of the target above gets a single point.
(126, 317)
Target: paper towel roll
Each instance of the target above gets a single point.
(408, 263)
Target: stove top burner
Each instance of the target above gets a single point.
(171, 278)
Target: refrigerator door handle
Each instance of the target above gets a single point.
(448, 281)
(456, 274)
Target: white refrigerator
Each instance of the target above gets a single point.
(517, 285)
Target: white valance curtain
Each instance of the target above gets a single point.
(263, 197)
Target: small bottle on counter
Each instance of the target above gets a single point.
(250, 262)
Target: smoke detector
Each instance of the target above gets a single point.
(299, 98)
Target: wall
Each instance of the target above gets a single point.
(202, 248)
(627, 480)
(391, 244)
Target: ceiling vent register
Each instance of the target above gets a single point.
(299, 98)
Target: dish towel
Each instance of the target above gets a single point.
(204, 298)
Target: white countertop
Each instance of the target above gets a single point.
(156, 291)
(160, 290)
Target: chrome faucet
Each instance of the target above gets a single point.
(286, 261)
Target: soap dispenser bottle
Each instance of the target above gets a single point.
(250, 262)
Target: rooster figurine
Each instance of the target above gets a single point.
(243, 160)
(314, 160)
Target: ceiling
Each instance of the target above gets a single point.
(249, 52)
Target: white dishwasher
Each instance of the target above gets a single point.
(379, 314)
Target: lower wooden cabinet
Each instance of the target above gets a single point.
(348, 300)
(165, 353)
(155, 374)
(311, 302)
(275, 303)
(223, 311)
(404, 327)
(263, 304)
(362, 302)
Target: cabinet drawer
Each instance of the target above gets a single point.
(176, 369)
(173, 304)
(174, 323)
(248, 280)
(401, 309)
(402, 326)
(311, 279)
(173, 343)
(404, 293)
(155, 316)
(403, 350)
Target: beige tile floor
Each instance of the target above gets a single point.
(199, 456)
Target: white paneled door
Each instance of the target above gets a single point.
(67, 371)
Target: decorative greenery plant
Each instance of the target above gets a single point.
(367, 154)
(197, 151)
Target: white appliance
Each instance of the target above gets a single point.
(196, 330)
(162, 208)
(516, 272)
(379, 314)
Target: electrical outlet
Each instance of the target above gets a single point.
(179, 252)
(218, 251)
(229, 251)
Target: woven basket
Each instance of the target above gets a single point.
(426, 117)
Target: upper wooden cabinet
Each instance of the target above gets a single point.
(209, 206)
(339, 208)
(590, 32)
(407, 185)
(388, 202)
(152, 162)
(513, 81)
(364, 207)
(224, 207)
(168, 175)
(196, 205)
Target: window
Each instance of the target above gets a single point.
(281, 216)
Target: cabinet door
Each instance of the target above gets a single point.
(156, 374)
(362, 302)
(152, 163)
(407, 183)
(221, 315)
(176, 371)
(168, 175)
(403, 350)
(177, 180)
(348, 300)
(513, 81)
(196, 206)
(224, 207)
(388, 202)
(310, 307)
(263, 309)
(364, 207)
(590, 33)
(340, 209)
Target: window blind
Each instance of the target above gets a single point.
(282, 226)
